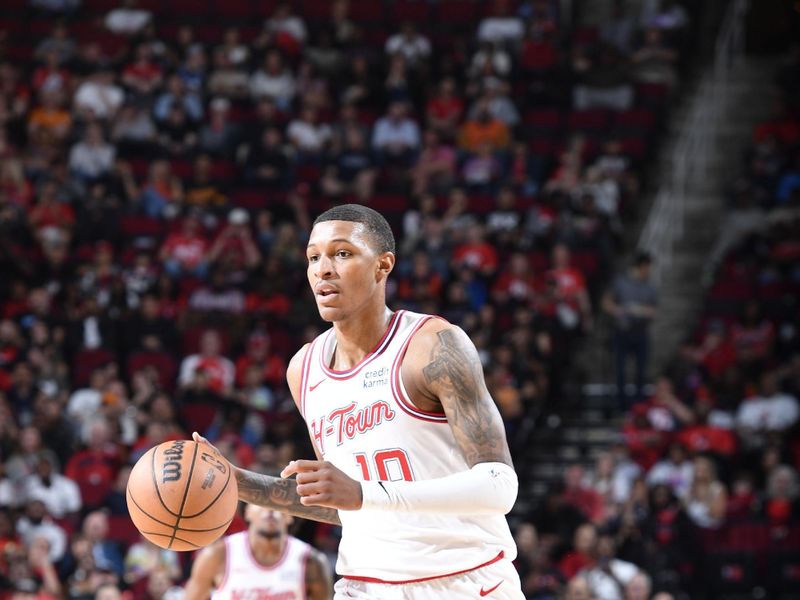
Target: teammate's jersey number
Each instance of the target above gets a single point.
(391, 464)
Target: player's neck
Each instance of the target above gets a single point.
(357, 336)
(268, 552)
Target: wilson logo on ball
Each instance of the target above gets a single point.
(171, 469)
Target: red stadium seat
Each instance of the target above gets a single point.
(411, 10)
(233, 9)
(122, 530)
(457, 11)
(639, 120)
(589, 120)
(132, 226)
(86, 361)
(161, 361)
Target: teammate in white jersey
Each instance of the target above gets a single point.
(262, 563)
(412, 458)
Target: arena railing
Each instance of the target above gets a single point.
(692, 151)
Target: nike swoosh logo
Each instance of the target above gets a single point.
(311, 388)
(490, 590)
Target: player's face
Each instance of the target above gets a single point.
(267, 523)
(344, 270)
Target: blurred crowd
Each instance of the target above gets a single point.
(701, 497)
(159, 172)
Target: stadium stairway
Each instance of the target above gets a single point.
(750, 101)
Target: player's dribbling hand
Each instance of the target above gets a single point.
(319, 483)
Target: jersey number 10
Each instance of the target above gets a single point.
(390, 465)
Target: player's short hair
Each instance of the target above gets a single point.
(374, 222)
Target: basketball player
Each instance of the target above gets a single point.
(262, 563)
(412, 454)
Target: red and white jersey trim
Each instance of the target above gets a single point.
(499, 557)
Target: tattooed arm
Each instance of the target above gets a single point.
(452, 376)
(279, 493)
(441, 371)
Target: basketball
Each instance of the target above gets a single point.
(182, 495)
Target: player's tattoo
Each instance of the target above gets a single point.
(280, 494)
(455, 374)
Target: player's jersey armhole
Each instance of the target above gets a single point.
(398, 388)
(304, 372)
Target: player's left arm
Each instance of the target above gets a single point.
(443, 365)
(441, 369)
(319, 582)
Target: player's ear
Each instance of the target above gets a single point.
(386, 263)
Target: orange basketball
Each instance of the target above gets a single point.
(182, 495)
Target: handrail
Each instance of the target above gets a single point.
(689, 160)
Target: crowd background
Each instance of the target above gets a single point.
(161, 163)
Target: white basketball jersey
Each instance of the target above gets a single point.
(363, 422)
(247, 579)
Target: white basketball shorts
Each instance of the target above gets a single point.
(497, 581)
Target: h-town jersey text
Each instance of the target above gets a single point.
(363, 422)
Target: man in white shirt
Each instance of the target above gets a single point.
(36, 523)
(99, 96)
(411, 44)
(675, 471)
(307, 134)
(502, 27)
(60, 495)
(128, 19)
(609, 576)
(771, 410)
(218, 370)
(396, 136)
(273, 81)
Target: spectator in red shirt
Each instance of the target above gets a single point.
(475, 253)
(583, 547)
(753, 337)
(143, 76)
(95, 468)
(715, 353)
(516, 283)
(585, 499)
(444, 110)
(570, 285)
(260, 353)
(705, 437)
(217, 370)
(645, 443)
(185, 252)
(50, 216)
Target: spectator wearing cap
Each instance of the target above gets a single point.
(60, 495)
(234, 249)
(219, 136)
(632, 302)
